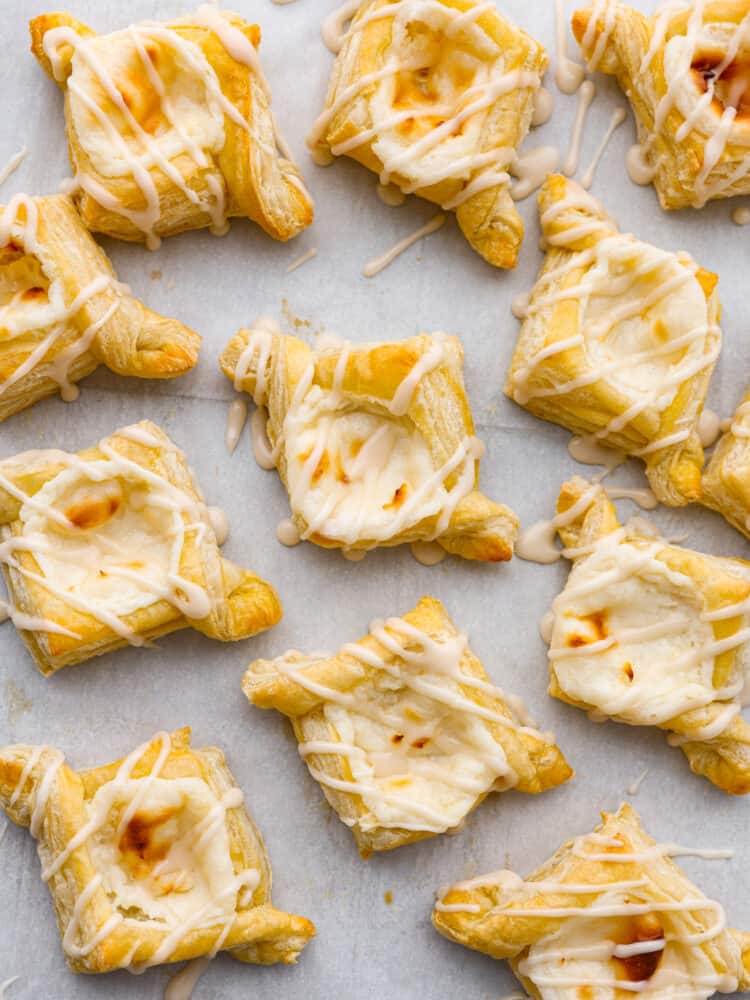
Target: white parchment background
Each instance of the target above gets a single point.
(101, 710)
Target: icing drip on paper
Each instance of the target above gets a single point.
(544, 104)
(236, 420)
(588, 451)
(635, 786)
(287, 532)
(618, 117)
(639, 169)
(569, 75)
(313, 251)
(546, 624)
(428, 553)
(10, 167)
(531, 170)
(6, 985)
(428, 667)
(741, 216)
(182, 983)
(586, 95)
(333, 29)
(390, 195)
(378, 264)
(537, 543)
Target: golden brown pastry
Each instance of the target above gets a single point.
(653, 634)
(170, 127)
(404, 731)
(686, 73)
(114, 546)
(437, 99)
(726, 478)
(63, 311)
(610, 914)
(619, 341)
(374, 443)
(151, 859)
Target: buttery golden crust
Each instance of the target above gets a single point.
(245, 175)
(553, 373)
(633, 49)
(537, 765)
(488, 922)
(726, 479)
(49, 263)
(60, 631)
(438, 414)
(257, 933)
(350, 124)
(718, 750)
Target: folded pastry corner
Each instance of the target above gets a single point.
(609, 911)
(170, 126)
(151, 859)
(114, 546)
(437, 100)
(726, 478)
(374, 443)
(63, 312)
(686, 73)
(652, 634)
(403, 729)
(619, 341)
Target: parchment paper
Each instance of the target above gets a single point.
(102, 709)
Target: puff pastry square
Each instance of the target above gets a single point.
(610, 914)
(437, 99)
(686, 73)
(403, 729)
(653, 634)
(151, 859)
(114, 546)
(170, 127)
(619, 341)
(374, 443)
(63, 311)
(726, 478)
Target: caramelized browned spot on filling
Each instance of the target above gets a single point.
(143, 843)
(638, 968)
(397, 738)
(33, 293)
(732, 87)
(398, 497)
(92, 513)
(421, 742)
(628, 671)
(596, 630)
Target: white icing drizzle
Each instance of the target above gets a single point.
(531, 170)
(709, 427)
(390, 194)
(428, 553)
(586, 95)
(378, 264)
(236, 420)
(537, 543)
(52, 865)
(412, 166)
(569, 75)
(635, 786)
(741, 216)
(618, 117)
(182, 983)
(313, 251)
(551, 964)
(10, 167)
(333, 29)
(214, 199)
(152, 583)
(288, 533)
(643, 496)
(429, 667)
(54, 316)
